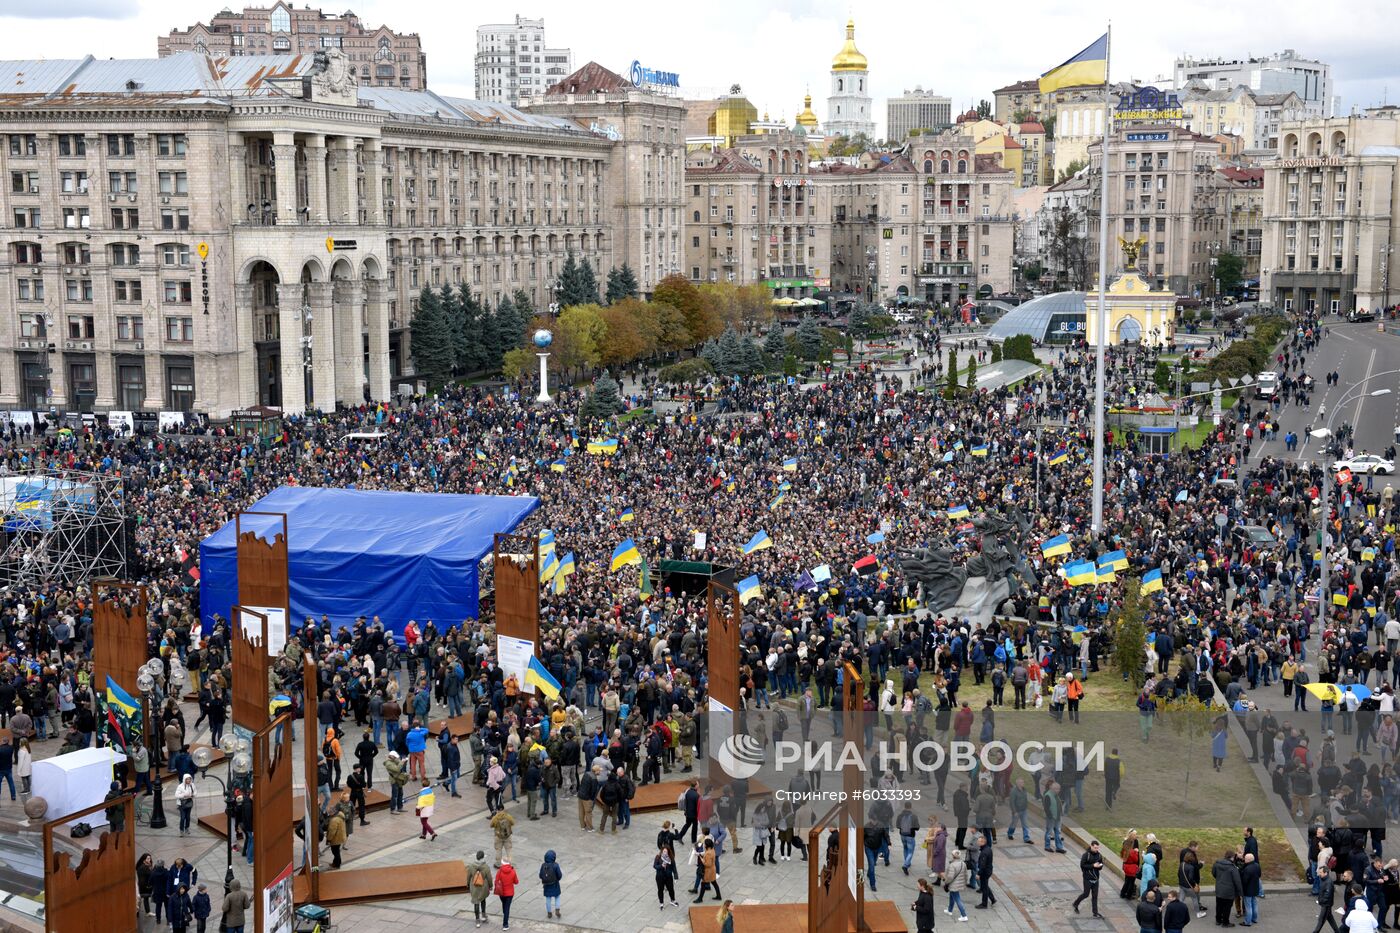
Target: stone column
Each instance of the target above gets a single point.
(344, 203)
(284, 152)
(322, 346)
(349, 342)
(377, 313)
(316, 179)
(249, 389)
(289, 298)
(374, 197)
(155, 368)
(238, 176)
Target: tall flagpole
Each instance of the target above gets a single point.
(1102, 325)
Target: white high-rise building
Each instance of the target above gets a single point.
(849, 109)
(513, 62)
(917, 110)
(1270, 74)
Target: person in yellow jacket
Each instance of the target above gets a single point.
(1286, 674)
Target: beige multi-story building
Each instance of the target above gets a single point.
(1240, 201)
(754, 215)
(1162, 188)
(381, 56)
(204, 234)
(1332, 213)
(1254, 118)
(644, 171)
(1023, 100)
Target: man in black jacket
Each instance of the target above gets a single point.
(1228, 886)
(1326, 896)
(1175, 915)
(1149, 915)
(365, 753)
(984, 873)
(692, 813)
(1090, 864)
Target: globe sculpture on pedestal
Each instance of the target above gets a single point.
(542, 340)
(36, 808)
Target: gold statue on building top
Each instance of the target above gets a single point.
(1131, 249)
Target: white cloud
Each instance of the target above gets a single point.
(778, 49)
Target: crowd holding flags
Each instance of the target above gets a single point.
(1060, 456)
(1054, 547)
(1152, 581)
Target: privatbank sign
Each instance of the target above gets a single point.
(642, 76)
(1149, 104)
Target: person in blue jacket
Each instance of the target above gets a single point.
(201, 908)
(550, 876)
(180, 910)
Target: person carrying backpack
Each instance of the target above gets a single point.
(550, 876)
(479, 885)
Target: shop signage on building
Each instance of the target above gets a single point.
(1327, 162)
(791, 182)
(1149, 104)
(789, 283)
(641, 76)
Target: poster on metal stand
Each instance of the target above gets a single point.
(276, 626)
(277, 903)
(514, 655)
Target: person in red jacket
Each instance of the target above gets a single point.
(506, 880)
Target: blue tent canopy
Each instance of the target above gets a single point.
(397, 555)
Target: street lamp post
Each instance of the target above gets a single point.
(239, 762)
(146, 683)
(542, 339)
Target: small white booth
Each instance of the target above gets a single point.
(75, 781)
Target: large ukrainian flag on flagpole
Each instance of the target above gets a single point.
(537, 675)
(624, 554)
(1089, 67)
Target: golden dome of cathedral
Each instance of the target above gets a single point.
(849, 58)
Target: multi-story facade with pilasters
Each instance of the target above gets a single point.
(200, 235)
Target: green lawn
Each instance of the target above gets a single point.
(1276, 856)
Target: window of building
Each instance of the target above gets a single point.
(131, 327)
(131, 380)
(72, 144)
(76, 218)
(76, 254)
(31, 289)
(279, 20)
(125, 254)
(174, 182)
(179, 381)
(125, 218)
(175, 218)
(179, 329)
(78, 289)
(177, 292)
(28, 254)
(121, 145)
(24, 144)
(80, 327)
(126, 289)
(171, 145)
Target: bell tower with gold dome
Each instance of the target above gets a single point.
(849, 109)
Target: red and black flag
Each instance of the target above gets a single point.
(189, 568)
(867, 565)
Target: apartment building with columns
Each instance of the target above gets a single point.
(200, 234)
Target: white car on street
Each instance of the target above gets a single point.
(1366, 463)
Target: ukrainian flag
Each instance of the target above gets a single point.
(1118, 560)
(480, 454)
(426, 798)
(566, 569)
(1089, 67)
(536, 675)
(749, 589)
(790, 465)
(546, 541)
(1151, 581)
(1368, 554)
(1081, 573)
(979, 451)
(1339, 599)
(549, 568)
(1055, 546)
(123, 714)
(608, 446)
(957, 445)
(1106, 574)
(626, 516)
(1058, 457)
(557, 466)
(624, 554)
(758, 542)
(773, 506)
(784, 486)
(958, 511)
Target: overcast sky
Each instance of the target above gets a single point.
(778, 48)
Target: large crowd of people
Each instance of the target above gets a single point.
(842, 474)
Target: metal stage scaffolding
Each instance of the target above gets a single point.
(64, 526)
